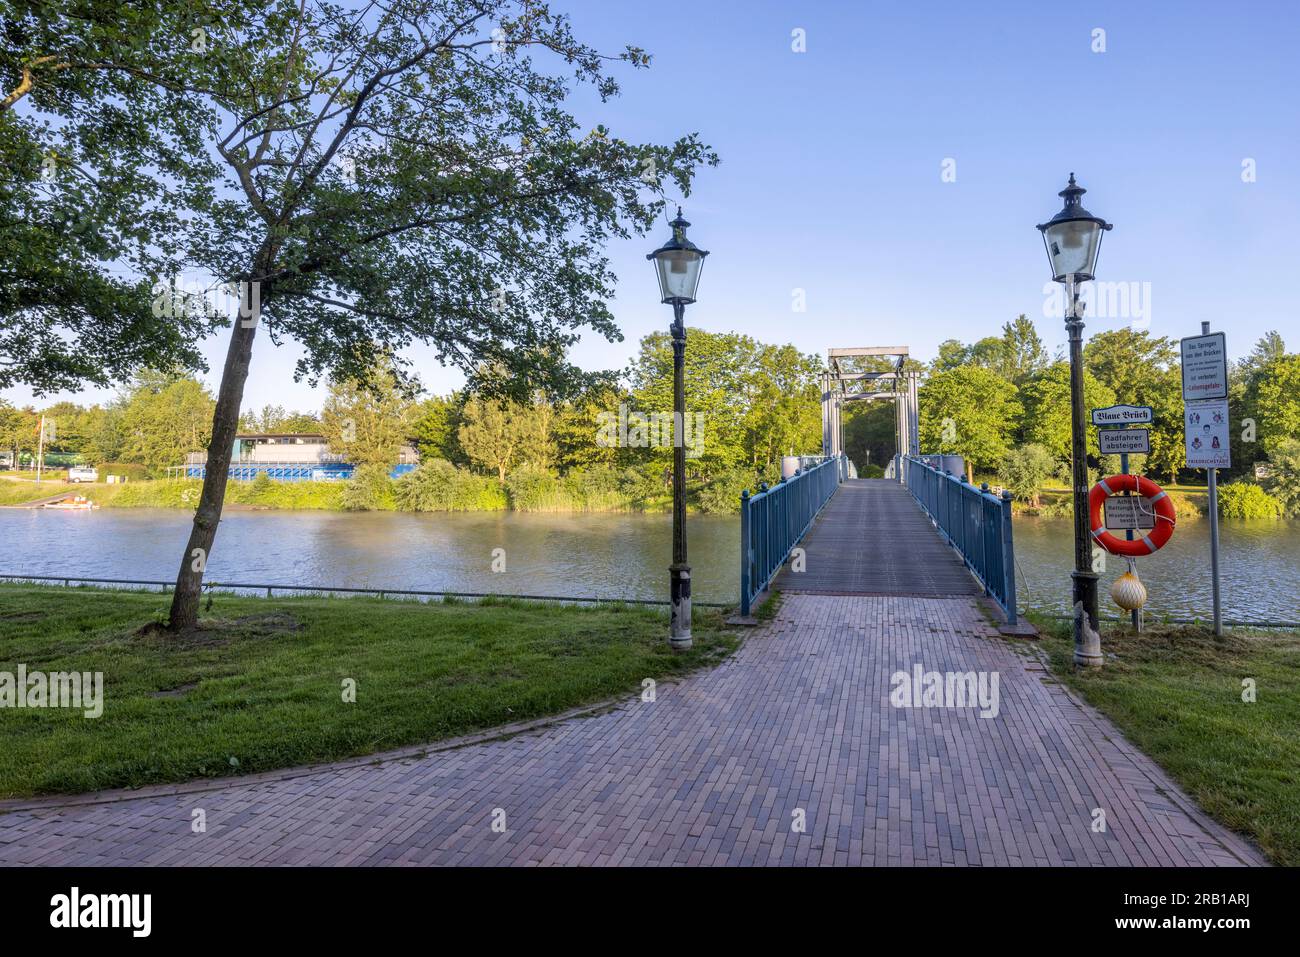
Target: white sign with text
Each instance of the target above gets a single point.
(1206, 434)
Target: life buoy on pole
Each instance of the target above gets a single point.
(1148, 544)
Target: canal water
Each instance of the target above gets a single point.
(592, 555)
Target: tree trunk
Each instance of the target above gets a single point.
(225, 424)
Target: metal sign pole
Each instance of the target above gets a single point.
(1214, 532)
(1128, 534)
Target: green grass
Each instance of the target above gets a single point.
(259, 685)
(1176, 694)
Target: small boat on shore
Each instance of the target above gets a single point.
(76, 502)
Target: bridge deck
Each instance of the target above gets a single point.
(873, 539)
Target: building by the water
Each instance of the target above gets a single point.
(290, 456)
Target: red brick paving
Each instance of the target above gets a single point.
(711, 773)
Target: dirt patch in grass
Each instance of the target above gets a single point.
(214, 632)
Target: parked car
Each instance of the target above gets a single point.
(83, 473)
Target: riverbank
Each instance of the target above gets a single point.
(486, 496)
(267, 684)
(1221, 716)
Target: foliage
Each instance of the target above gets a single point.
(1247, 500)
(438, 486)
(1046, 416)
(1025, 471)
(101, 163)
(970, 411)
(275, 418)
(1283, 481)
(163, 419)
(367, 421)
(434, 424)
(1141, 370)
(369, 489)
(1276, 405)
(498, 434)
(755, 402)
(721, 495)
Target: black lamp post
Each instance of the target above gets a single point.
(1073, 240)
(677, 265)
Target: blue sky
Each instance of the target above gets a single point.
(832, 160)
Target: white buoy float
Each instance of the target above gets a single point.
(1128, 591)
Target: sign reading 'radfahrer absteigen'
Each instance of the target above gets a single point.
(1124, 441)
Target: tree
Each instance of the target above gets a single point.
(405, 172)
(1142, 370)
(1268, 349)
(1026, 470)
(165, 417)
(496, 434)
(969, 411)
(367, 422)
(1046, 418)
(434, 423)
(784, 415)
(1276, 405)
(1283, 481)
(952, 355)
(578, 426)
(101, 160)
(1022, 355)
(18, 430)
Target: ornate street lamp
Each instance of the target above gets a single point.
(677, 265)
(1073, 240)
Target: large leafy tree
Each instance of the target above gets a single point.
(390, 173)
(164, 417)
(969, 411)
(499, 434)
(1022, 354)
(102, 164)
(367, 423)
(1046, 417)
(1275, 402)
(1143, 370)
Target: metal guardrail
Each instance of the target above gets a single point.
(237, 587)
(975, 522)
(773, 521)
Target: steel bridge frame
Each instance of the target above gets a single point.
(841, 386)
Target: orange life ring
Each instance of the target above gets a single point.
(1164, 508)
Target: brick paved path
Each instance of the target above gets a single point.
(712, 772)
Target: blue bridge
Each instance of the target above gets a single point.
(921, 531)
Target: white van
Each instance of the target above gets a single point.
(83, 473)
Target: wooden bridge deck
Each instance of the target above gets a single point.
(873, 539)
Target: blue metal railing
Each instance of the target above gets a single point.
(773, 521)
(975, 522)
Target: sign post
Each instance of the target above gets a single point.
(1205, 414)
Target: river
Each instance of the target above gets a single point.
(590, 555)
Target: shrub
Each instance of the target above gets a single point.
(721, 495)
(370, 489)
(597, 490)
(873, 471)
(1026, 470)
(129, 470)
(1247, 500)
(438, 486)
(533, 489)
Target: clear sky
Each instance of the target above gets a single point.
(833, 168)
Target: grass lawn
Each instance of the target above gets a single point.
(260, 684)
(1177, 694)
